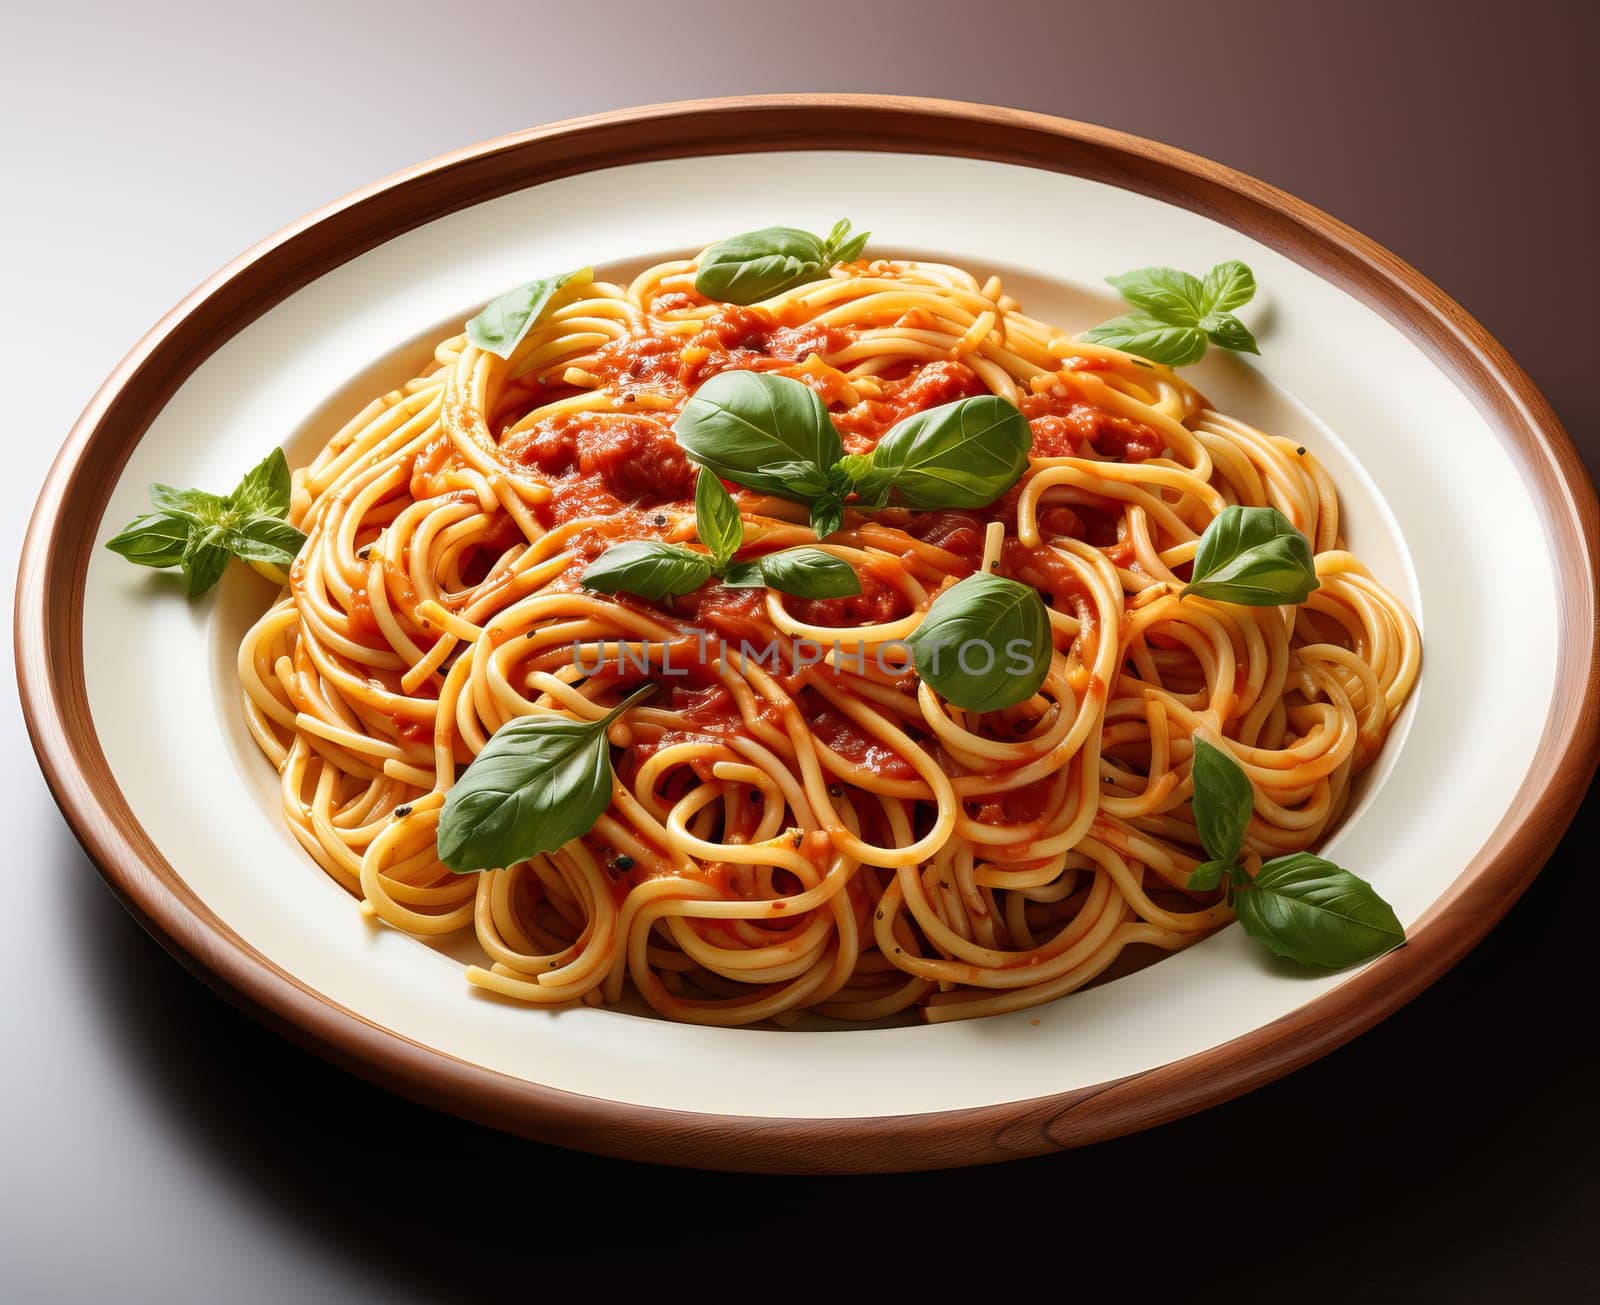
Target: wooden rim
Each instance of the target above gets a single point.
(48, 629)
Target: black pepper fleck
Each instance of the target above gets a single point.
(363, 552)
(1301, 450)
(835, 791)
(624, 862)
(403, 811)
(660, 519)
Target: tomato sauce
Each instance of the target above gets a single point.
(838, 732)
(862, 425)
(877, 602)
(1018, 806)
(1064, 427)
(1043, 568)
(960, 533)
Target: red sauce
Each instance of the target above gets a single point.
(362, 624)
(864, 424)
(711, 709)
(1043, 569)
(837, 731)
(746, 338)
(736, 614)
(1062, 425)
(597, 464)
(960, 533)
(1018, 806)
(877, 602)
(1061, 521)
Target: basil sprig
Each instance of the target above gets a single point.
(768, 433)
(500, 327)
(803, 572)
(1255, 557)
(984, 644)
(655, 570)
(964, 454)
(1312, 911)
(1298, 906)
(1177, 315)
(539, 783)
(1223, 800)
(648, 568)
(773, 434)
(748, 268)
(200, 532)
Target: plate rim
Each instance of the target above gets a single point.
(47, 628)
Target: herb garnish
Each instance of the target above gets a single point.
(655, 570)
(959, 455)
(1299, 906)
(1177, 315)
(500, 327)
(985, 643)
(200, 532)
(747, 268)
(539, 783)
(773, 434)
(1255, 557)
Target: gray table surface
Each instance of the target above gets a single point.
(154, 1145)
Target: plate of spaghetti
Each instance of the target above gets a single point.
(648, 636)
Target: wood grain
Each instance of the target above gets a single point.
(48, 628)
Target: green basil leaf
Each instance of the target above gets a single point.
(716, 518)
(195, 504)
(1228, 286)
(651, 570)
(842, 246)
(743, 575)
(809, 573)
(756, 265)
(1176, 315)
(1205, 876)
(264, 490)
(205, 558)
(1223, 800)
(1316, 913)
(1165, 293)
(1137, 333)
(1227, 331)
(984, 644)
(266, 539)
(770, 433)
(1253, 556)
(958, 455)
(871, 483)
(827, 515)
(500, 327)
(155, 540)
(539, 783)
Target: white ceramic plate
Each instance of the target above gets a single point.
(1415, 452)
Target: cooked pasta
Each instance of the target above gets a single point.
(817, 833)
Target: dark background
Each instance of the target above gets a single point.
(1449, 1154)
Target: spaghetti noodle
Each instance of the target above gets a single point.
(787, 837)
